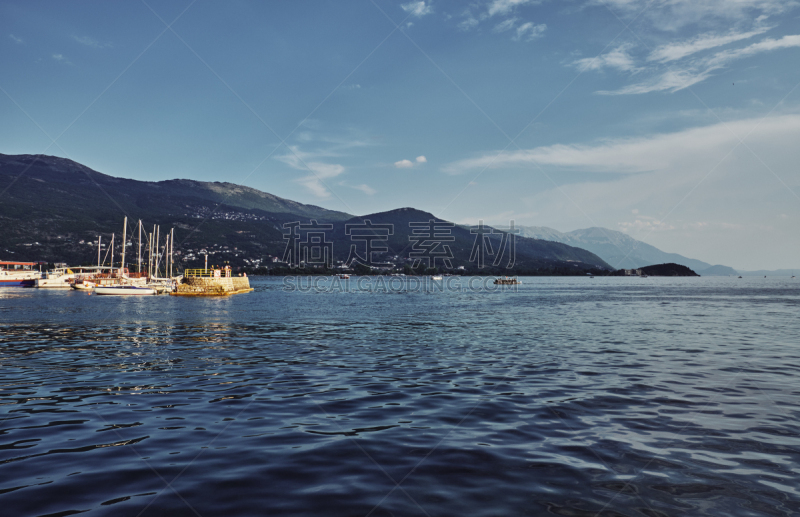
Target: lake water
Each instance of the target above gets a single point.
(568, 396)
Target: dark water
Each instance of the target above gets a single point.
(580, 397)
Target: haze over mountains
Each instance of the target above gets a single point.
(621, 250)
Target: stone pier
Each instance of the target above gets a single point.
(212, 286)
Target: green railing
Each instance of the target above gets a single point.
(198, 273)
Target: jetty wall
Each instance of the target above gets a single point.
(213, 286)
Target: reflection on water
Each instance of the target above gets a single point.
(569, 396)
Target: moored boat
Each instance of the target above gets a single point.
(20, 275)
(58, 278)
(124, 290)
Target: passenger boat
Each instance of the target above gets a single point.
(21, 275)
(437, 277)
(124, 290)
(506, 281)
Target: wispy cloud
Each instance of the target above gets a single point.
(667, 151)
(619, 58)
(529, 31)
(477, 13)
(15, 39)
(319, 171)
(418, 9)
(672, 15)
(681, 49)
(366, 189)
(90, 42)
(506, 25)
(503, 7)
(61, 59)
(683, 76)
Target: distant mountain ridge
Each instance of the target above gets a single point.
(61, 171)
(54, 209)
(620, 250)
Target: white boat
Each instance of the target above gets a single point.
(84, 285)
(437, 277)
(124, 290)
(18, 274)
(58, 278)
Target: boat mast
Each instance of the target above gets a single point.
(124, 242)
(139, 254)
(99, 238)
(171, 250)
(150, 255)
(112, 253)
(166, 254)
(158, 248)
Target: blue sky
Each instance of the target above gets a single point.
(675, 121)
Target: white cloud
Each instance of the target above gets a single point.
(422, 159)
(676, 79)
(417, 9)
(90, 42)
(528, 31)
(671, 80)
(645, 223)
(679, 50)
(618, 58)
(404, 164)
(506, 25)
(15, 39)
(660, 152)
(724, 57)
(61, 59)
(468, 23)
(320, 171)
(493, 9)
(501, 7)
(366, 189)
(672, 15)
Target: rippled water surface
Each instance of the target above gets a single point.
(569, 396)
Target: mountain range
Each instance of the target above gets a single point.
(53, 209)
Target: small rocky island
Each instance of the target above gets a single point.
(670, 269)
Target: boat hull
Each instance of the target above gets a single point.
(16, 282)
(127, 290)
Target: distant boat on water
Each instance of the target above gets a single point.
(506, 281)
(437, 277)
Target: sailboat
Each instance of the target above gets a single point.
(124, 284)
